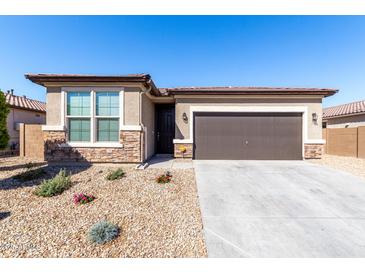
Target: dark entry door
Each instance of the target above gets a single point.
(165, 128)
(248, 136)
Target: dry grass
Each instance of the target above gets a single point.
(155, 220)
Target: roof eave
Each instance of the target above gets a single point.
(41, 79)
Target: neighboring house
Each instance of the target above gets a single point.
(128, 119)
(344, 116)
(22, 110)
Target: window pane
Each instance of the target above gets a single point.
(85, 136)
(114, 130)
(108, 130)
(78, 103)
(79, 130)
(107, 103)
(114, 125)
(103, 136)
(75, 125)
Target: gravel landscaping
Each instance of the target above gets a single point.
(155, 220)
(356, 166)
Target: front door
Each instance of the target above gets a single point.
(165, 128)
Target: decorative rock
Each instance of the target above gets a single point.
(157, 221)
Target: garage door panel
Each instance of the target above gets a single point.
(255, 136)
(216, 133)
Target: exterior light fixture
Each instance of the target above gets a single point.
(314, 117)
(185, 117)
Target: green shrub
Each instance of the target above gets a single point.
(103, 232)
(116, 174)
(4, 111)
(54, 186)
(30, 174)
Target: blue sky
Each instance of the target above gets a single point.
(306, 51)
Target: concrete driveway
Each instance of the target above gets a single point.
(280, 209)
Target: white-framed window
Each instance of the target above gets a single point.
(93, 116)
(78, 111)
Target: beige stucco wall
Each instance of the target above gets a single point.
(22, 116)
(53, 100)
(131, 105)
(148, 120)
(183, 105)
(342, 122)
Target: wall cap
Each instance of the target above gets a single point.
(131, 128)
(92, 145)
(53, 128)
(314, 141)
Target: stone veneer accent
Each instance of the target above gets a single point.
(313, 151)
(56, 149)
(187, 154)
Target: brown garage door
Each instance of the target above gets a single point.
(248, 136)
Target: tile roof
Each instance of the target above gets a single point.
(24, 102)
(249, 90)
(246, 88)
(345, 109)
(45, 79)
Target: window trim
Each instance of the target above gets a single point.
(93, 131)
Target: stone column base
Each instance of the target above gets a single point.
(313, 151)
(183, 151)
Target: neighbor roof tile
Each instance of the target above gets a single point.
(345, 109)
(24, 102)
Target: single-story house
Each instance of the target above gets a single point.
(22, 110)
(344, 116)
(128, 119)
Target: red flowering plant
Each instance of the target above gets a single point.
(80, 198)
(164, 178)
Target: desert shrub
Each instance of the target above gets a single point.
(164, 178)
(30, 174)
(116, 174)
(80, 198)
(103, 232)
(54, 186)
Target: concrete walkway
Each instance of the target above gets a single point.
(168, 162)
(280, 209)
